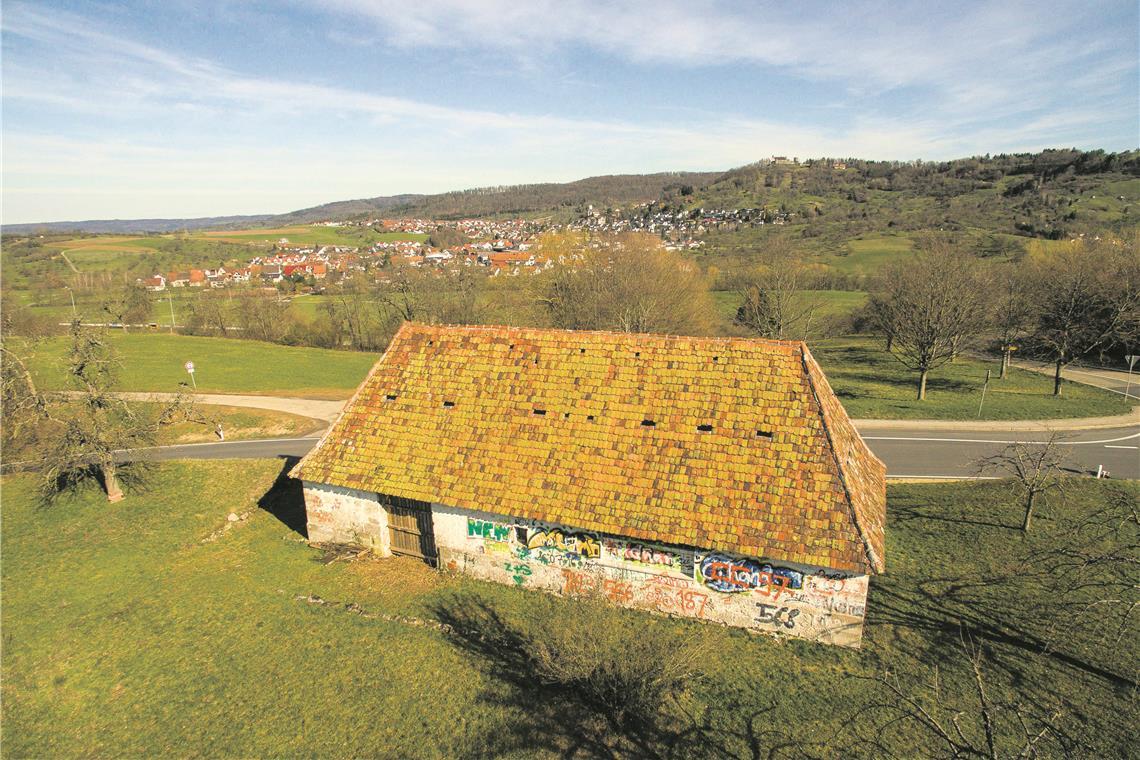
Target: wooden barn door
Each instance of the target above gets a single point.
(410, 528)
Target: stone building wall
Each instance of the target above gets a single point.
(777, 597)
(346, 516)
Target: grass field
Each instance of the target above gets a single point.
(149, 628)
(832, 303)
(868, 254)
(872, 384)
(305, 234)
(239, 424)
(154, 362)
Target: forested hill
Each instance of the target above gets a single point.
(1049, 194)
(514, 200)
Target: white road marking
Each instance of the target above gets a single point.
(1122, 447)
(944, 477)
(981, 440)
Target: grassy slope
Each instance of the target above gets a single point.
(128, 633)
(154, 362)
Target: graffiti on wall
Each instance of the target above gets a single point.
(487, 530)
(654, 557)
(578, 583)
(675, 596)
(729, 575)
(580, 544)
(777, 616)
(519, 572)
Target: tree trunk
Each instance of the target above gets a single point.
(890, 342)
(1057, 379)
(922, 386)
(111, 482)
(1004, 363)
(1028, 512)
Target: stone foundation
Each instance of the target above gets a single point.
(346, 516)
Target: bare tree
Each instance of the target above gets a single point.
(1014, 311)
(1092, 572)
(626, 282)
(126, 304)
(213, 311)
(1035, 470)
(85, 430)
(1089, 298)
(264, 316)
(927, 306)
(985, 727)
(774, 300)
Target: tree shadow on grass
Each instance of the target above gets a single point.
(285, 499)
(569, 720)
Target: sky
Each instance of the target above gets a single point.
(177, 109)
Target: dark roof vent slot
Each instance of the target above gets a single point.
(581, 350)
(716, 358)
(540, 412)
(590, 417)
(512, 346)
(648, 423)
(704, 428)
(637, 353)
(449, 404)
(391, 397)
(566, 416)
(764, 434)
(536, 360)
(431, 342)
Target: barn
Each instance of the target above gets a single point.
(713, 478)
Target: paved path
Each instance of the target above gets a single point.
(908, 454)
(317, 409)
(1114, 380)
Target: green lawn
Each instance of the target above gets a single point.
(868, 254)
(154, 362)
(150, 629)
(832, 303)
(872, 384)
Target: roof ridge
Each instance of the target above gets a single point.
(874, 562)
(615, 333)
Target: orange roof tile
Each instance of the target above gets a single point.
(729, 444)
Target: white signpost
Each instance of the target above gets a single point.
(1131, 359)
(190, 368)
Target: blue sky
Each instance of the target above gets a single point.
(175, 108)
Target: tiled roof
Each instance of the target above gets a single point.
(729, 444)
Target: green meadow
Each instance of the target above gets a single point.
(157, 627)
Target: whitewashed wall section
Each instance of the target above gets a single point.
(338, 515)
(780, 597)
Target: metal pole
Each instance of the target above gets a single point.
(71, 293)
(170, 300)
(1128, 385)
(984, 386)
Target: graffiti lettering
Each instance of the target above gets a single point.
(486, 529)
(678, 601)
(576, 582)
(777, 616)
(728, 575)
(518, 571)
(644, 554)
(581, 544)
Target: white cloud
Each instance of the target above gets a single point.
(199, 138)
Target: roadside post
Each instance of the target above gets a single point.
(190, 368)
(985, 385)
(1131, 359)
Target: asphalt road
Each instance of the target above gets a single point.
(907, 454)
